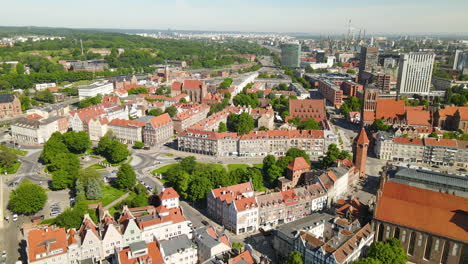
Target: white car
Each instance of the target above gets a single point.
(4, 257)
(15, 218)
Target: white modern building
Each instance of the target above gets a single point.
(415, 73)
(94, 89)
(461, 60)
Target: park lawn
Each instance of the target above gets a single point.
(18, 152)
(237, 166)
(11, 170)
(163, 169)
(96, 166)
(169, 154)
(260, 166)
(109, 194)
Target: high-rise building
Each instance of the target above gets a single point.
(290, 54)
(320, 56)
(415, 73)
(382, 81)
(369, 59)
(461, 60)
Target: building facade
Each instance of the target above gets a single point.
(415, 73)
(10, 106)
(291, 54)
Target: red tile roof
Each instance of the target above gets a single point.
(168, 193)
(193, 84)
(418, 117)
(433, 212)
(230, 193)
(410, 141)
(127, 123)
(441, 142)
(308, 108)
(154, 254)
(46, 240)
(34, 117)
(160, 120)
(362, 137)
(245, 203)
(298, 163)
(175, 216)
(289, 197)
(450, 111)
(390, 109)
(245, 256)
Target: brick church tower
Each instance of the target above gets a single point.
(361, 144)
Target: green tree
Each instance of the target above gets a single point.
(64, 169)
(25, 102)
(351, 71)
(20, 68)
(140, 200)
(7, 158)
(171, 110)
(77, 142)
(139, 145)
(379, 125)
(118, 152)
(183, 100)
(27, 199)
(333, 153)
(70, 218)
(367, 261)
(199, 187)
(53, 147)
(309, 124)
(188, 164)
(222, 127)
(389, 251)
(93, 190)
(155, 112)
(268, 161)
(89, 183)
(295, 153)
(242, 124)
(433, 135)
(272, 174)
(126, 177)
(294, 257)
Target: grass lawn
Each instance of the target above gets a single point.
(97, 166)
(169, 154)
(11, 170)
(237, 166)
(260, 166)
(163, 169)
(109, 194)
(18, 152)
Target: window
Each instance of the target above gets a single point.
(397, 233)
(412, 240)
(427, 251)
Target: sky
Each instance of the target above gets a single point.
(307, 16)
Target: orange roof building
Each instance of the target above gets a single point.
(413, 214)
(47, 244)
(308, 108)
(140, 252)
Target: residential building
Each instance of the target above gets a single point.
(461, 60)
(245, 257)
(415, 73)
(33, 129)
(50, 110)
(351, 88)
(130, 230)
(255, 143)
(127, 131)
(346, 243)
(440, 151)
(102, 88)
(284, 236)
(158, 130)
(111, 238)
(429, 224)
(301, 92)
(169, 198)
(79, 119)
(210, 244)
(140, 252)
(382, 81)
(91, 246)
(47, 245)
(291, 54)
(10, 106)
(190, 115)
(178, 250)
(220, 206)
(97, 128)
(164, 224)
(44, 86)
(369, 59)
(331, 92)
(308, 108)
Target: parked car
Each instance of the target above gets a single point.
(15, 218)
(4, 257)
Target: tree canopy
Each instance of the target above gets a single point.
(242, 124)
(389, 251)
(333, 154)
(126, 177)
(27, 198)
(294, 257)
(379, 125)
(112, 149)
